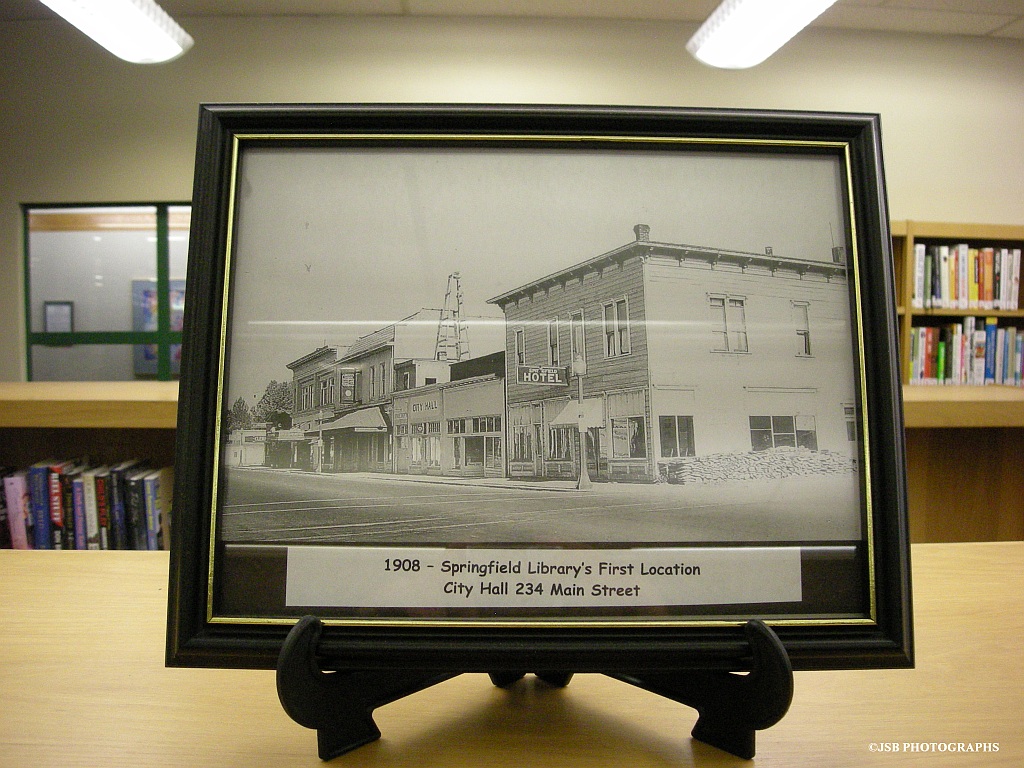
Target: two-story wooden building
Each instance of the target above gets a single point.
(680, 363)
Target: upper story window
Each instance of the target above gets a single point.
(729, 315)
(327, 391)
(801, 313)
(520, 335)
(577, 337)
(307, 396)
(616, 328)
(553, 351)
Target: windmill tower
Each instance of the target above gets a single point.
(452, 335)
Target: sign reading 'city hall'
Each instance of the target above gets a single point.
(497, 387)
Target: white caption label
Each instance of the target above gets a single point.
(435, 577)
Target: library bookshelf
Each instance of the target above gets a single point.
(107, 421)
(964, 443)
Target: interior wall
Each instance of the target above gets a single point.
(79, 125)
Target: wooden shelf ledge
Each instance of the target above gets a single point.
(992, 406)
(95, 404)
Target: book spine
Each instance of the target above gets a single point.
(1015, 279)
(986, 284)
(978, 374)
(92, 521)
(18, 510)
(152, 503)
(962, 266)
(78, 501)
(135, 511)
(991, 333)
(5, 515)
(39, 492)
(56, 508)
(67, 506)
(101, 490)
(943, 301)
(929, 277)
(119, 520)
(917, 300)
(972, 277)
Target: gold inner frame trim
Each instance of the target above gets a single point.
(445, 141)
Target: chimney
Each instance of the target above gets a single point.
(643, 233)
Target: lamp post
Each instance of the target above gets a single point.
(320, 441)
(579, 370)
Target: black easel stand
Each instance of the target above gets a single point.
(339, 705)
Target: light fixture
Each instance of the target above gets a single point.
(139, 31)
(743, 33)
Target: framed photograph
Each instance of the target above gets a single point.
(58, 316)
(580, 388)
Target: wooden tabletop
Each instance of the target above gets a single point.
(82, 683)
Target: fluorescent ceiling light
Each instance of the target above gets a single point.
(743, 33)
(139, 31)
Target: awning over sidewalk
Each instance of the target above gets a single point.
(588, 414)
(363, 420)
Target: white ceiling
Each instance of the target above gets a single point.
(996, 18)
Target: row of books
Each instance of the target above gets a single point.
(74, 505)
(972, 352)
(963, 277)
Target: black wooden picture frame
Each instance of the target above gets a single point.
(230, 581)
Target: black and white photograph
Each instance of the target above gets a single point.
(539, 346)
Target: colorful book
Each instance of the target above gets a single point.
(101, 490)
(991, 338)
(5, 526)
(39, 495)
(19, 510)
(155, 485)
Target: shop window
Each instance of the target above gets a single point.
(676, 436)
(492, 453)
(522, 444)
(629, 438)
(560, 441)
(850, 416)
(105, 291)
(474, 451)
(783, 432)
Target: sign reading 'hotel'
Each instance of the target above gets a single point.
(544, 375)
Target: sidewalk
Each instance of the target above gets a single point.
(506, 483)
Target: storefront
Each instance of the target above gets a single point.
(359, 441)
(453, 429)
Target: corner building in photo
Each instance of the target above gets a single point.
(681, 363)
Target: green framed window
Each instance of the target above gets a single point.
(105, 290)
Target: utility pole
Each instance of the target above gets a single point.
(579, 369)
(452, 336)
